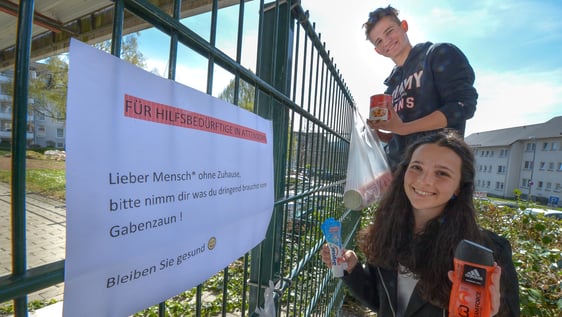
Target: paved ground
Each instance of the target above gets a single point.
(46, 230)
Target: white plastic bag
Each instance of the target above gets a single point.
(368, 172)
(268, 309)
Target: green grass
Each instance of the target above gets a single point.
(46, 182)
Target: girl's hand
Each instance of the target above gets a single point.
(348, 257)
(494, 288)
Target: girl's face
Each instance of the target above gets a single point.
(432, 178)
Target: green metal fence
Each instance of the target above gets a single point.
(297, 86)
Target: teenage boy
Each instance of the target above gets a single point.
(431, 84)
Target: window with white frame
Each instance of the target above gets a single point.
(41, 131)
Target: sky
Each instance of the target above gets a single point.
(514, 47)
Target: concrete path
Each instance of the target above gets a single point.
(46, 236)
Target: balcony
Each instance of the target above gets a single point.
(7, 136)
(7, 115)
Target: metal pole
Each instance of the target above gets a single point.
(19, 142)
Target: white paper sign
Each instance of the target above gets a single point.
(165, 185)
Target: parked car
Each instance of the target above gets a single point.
(533, 211)
(551, 213)
(556, 214)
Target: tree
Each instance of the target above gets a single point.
(246, 94)
(129, 49)
(48, 87)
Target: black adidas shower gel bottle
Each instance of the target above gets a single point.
(470, 296)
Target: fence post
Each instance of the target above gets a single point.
(19, 146)
(274, 66)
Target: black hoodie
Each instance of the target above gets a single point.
(434, 77)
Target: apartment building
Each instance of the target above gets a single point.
(44, 128)
(528, 158)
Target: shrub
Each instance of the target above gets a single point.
(536, 245)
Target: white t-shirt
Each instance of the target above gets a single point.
(406, 285)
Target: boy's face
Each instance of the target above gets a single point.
(390, 38)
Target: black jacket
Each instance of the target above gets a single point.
(376, 287)
(433, 77)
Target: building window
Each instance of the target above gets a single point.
(540, 185)
(488, 184)
(541, 165)
(559, 166)
(548, 186)
(530, 147)
(501, 169)
(60, 133)
(6, 107)
(41, 130)
(551, 166)
(40, 116)
(557, 187)
(528, 165)
(545, 146)
(555, 146)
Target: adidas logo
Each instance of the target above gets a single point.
(473, 275)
